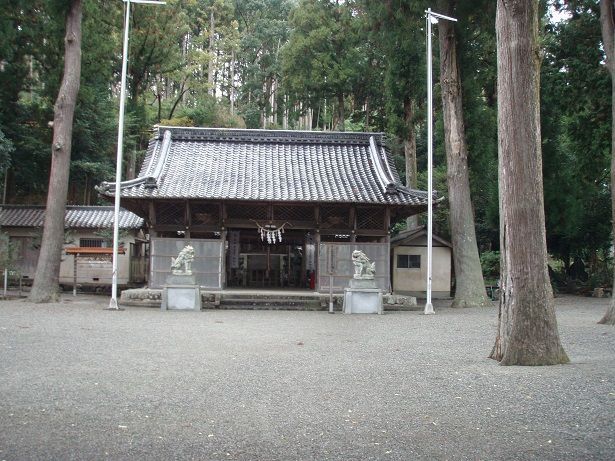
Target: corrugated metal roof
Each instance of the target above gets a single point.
(268, 165)
(78, 217)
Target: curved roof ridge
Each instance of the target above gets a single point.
(258, 135)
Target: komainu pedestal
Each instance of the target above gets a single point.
(363, 295)
(181, 291)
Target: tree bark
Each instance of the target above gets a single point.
(410, 154)
(231, 95)
(470, 286)
(211, 64)
(608, 40)
(340, 111)
(527, 326)
(45, 285)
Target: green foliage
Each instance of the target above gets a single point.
(177, 121)
(6, 147)
(576, 128)
(397, 29)
(490, 263)
(210, 113)
(8, 252)
(322, 58)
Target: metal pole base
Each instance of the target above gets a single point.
(113, 305)
(429, 309)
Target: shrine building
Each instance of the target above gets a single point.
(268, 209)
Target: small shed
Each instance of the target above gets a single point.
(88, 229)
(409, 264)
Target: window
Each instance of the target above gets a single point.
(408, 261)
(92, 243)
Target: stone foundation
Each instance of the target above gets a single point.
(152, 297)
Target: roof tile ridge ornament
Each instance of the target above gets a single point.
(400, 187)
(257, 135)
(386, 160)
(386, 181)
(150, 180)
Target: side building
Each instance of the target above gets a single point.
(409, 264)
(268, 209)
(87, 244)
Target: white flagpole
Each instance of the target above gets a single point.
(430, 16)
(113, 305)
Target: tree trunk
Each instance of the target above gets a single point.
(410, 154)
(340, 111)
(232, 84)
(211, 64)
(527, 326)
(608, 40)
(470, 287)
(45, 286)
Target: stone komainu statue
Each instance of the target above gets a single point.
(183, 263)
(363, 267)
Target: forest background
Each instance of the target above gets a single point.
(354, 65)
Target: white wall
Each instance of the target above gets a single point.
(414, 280)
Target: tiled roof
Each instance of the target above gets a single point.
(78, 217)
(268, 165)
(408, 235)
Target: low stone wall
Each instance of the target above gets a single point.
(152, 297)
(145, 297)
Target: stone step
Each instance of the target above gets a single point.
(269, 307)
(265, 297)
(270, 302)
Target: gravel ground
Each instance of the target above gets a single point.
(80, 382)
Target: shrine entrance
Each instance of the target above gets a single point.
(254, 261)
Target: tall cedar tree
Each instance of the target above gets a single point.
(469, 287)
(608, 38)
(397, 29)
(527, 326)
(45, 286)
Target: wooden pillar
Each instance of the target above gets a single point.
(223, 234)
(353, 224)
(188, 219)
(352, 220)
(152, 219)
(75, 274)
(387, 219)
(317, 259)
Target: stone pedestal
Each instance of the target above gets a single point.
(181, 293)
(362, 297)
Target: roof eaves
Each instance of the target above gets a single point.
(150, 181)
